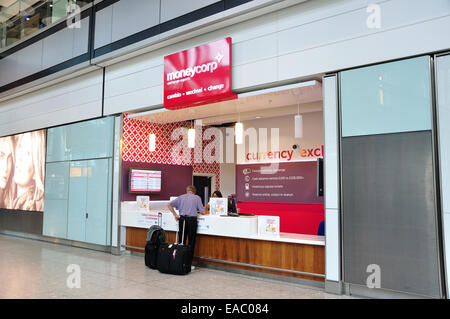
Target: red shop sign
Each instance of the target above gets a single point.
(197, 76)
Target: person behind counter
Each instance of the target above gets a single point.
(189, 205)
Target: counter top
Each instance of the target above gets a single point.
(226, 226)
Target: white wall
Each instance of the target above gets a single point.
(70, 101)
(171, 9)
(294, 43)
(113, 22)
(331, 180)
(312, 135)
(227, 179)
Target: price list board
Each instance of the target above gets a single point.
(145, 181)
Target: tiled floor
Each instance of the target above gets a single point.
(35, 269)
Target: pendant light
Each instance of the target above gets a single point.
(298, 121)
(152, 142)
(191, 137)
(239, 131)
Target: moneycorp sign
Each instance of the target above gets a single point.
(199, 75)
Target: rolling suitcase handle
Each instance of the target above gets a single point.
(182, 238)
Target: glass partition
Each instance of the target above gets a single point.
(22, 18)
(388, 178)
(387, 98)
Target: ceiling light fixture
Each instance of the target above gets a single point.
(191, 137)
(152, 142)
(239, 133)
(298, 123)
(239, 130)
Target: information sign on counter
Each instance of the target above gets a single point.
(203, 224)
(148, 219)
(269, 226)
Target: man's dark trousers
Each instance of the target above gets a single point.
(190, 232)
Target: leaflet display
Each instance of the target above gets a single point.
(218, 206)
(145, 181)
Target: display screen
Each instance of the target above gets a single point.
(145, 181)
(22, 171)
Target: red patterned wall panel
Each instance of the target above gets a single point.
(135, 146)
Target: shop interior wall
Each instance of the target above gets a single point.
(227, 179)
(312, 135)
(174, 180)
(135, 151)
(301, 218)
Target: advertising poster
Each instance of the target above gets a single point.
(143, 202)
(218, 206)
(294, 182)
(22, 171)
(269, 226)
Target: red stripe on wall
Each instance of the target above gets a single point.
(294, 217)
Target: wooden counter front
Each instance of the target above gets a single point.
(290, 256)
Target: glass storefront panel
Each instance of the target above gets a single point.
(78, 193)
(387, 98)
(69, 142)
(389, 208)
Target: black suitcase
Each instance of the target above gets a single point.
(157, 237)
(174, 258)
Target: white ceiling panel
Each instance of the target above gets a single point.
(268, 103)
